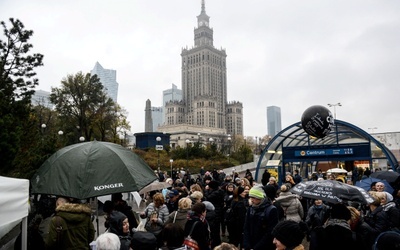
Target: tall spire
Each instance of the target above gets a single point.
(203, 6)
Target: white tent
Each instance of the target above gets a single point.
(14, 205)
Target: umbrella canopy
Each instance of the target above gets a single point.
(92, 169)
(366, 184)
(390, 176)
(331, 191)
(154, 186)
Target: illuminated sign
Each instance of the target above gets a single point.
(324, 152)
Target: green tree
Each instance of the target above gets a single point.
(17, 83)
(85, 109)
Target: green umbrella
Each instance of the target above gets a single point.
(92, 169)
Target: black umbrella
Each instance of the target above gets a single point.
(389, 176)
(331, 191)
(92, 169)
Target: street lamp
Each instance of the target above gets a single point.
(229, 149)
(334, 108)
(60, 132)
(81, 139)
(171, 161)
(187, 153)
(158, 139)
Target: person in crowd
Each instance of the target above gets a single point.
(389, 240)
(261, 218)
(34, 238)
(108, 241)
(215, 195)
(297, 178)
(336, 233)
(236, 216)
(226, 246)
(245, 182)
(332, 177)
(212, 224)
(143, 241)
(122, 206)
(238, 181)
(265, 177)
(391, 211)
(198, 224)
(228, 197)
(156, 214)
(195, 187)
(288, 235)
(179, 217)
(173, 237)
(196, 196)
(172, 202)
(119, 225)
(202, 172)
(71, 226)
(215, 174)
(248, 173)
(363, 239)
(376, 218)
(289, 205)
(272, 182)
(221, 176)
(289, 181)
(380, 186)
(317, 215)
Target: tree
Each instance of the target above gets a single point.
(17, 83)
(85, 109)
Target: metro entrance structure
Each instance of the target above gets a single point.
(346, 145)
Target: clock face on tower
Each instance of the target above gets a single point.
(200, 23)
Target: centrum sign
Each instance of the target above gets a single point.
(108, 186)
(322, 152)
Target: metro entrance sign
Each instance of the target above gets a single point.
(159, 147)
(324, 152)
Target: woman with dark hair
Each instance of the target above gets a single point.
(198, 225)
(172, 236)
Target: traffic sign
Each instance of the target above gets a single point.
(159, 147)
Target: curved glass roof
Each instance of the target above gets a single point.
(343, 133)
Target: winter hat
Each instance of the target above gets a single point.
(213, 185)
(173, 193)
(257, 192)
(237, 179)
(289, 233)
(388, 240)
(143, 241)
(209, 206)
(340, 211)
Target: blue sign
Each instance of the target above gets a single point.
(324, 152)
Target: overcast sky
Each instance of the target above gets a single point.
(287, 53)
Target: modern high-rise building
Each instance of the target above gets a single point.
(274, 120)
(41, 97)
(170, 95)
(204, 109)
(108, 77)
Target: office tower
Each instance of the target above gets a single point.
(42, 98)
(204, 106)
(274, 120)
(108, 77)
(157, 116)
(170, 95)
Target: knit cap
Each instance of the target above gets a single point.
(257, 192)
(289, 233)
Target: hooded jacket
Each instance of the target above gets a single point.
(291, 206)
(116, 220)
(75, 227)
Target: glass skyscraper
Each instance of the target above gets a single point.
(108, 77)
(274, 120)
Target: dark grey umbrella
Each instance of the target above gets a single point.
(331, 191)
(389, 176)
(92, 169)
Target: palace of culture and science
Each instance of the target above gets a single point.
(204, 111)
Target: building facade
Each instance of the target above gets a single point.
(41, 97)
(108, 77)
(204, 108)
(274, 120)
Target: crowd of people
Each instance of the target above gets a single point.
(225, 211)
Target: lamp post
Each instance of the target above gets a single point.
(229, 149)
(256, 151)
(334, 108)
(187, 153)
(81, 139)
(171, 161)
(158, 139)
